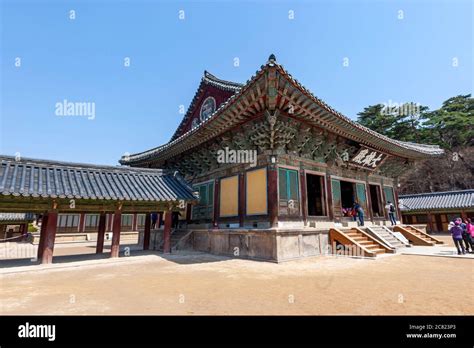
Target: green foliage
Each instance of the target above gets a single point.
(32, 228)
(451, 126)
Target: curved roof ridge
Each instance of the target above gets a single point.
(212, 78)
(416, 146)
(438, 193)
(421, 148)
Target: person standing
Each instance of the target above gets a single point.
(360, 213)
(456, 233)
(468, 230)
(154, 219)
(390, 208)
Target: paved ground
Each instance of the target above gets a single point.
(197, 283)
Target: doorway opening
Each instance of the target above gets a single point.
(315, 190)
(347, 194)
(375, 199)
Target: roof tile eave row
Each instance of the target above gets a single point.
(63, 182)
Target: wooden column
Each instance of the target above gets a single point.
(215, 220)
(369, 200)
(241, 199)
(82, 221)
(49, 237)
(304, 199)
(44, 224)
(188, 213)
(272, 179)
(146, 232)
(101, 233)
(384, 202)
(329, 197)
(167, 232)
(395, 193)
(116, 233)
(430, 222)
(135, 222)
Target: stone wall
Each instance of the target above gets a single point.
(269, 245)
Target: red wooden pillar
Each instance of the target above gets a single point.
(272, 176)
(44, 225)
(146, 232)
(329, 197)
(101, 233)
(430, 222)
(369, 200)
(116, 233)
(241, 199)
(49, 237)
(215, 220)
(82, 221)
(188, 213)
(304, 199)
(399, 212)
(167, 232)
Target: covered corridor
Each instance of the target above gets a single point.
(50, 188)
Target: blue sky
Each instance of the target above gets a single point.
(137, 107)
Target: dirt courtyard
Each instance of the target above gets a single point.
(195, 283)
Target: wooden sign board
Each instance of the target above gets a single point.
(367, 158)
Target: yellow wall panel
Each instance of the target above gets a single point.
(256, 191)
(229, 196)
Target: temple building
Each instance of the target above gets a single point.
(275, 166)
(437, 209)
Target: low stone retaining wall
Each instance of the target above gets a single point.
(270, 245)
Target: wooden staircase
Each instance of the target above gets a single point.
(358, 242)
(416, 236)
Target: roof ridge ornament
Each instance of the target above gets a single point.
(271, 59)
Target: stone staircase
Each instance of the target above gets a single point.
(176, 236)
(386, 235)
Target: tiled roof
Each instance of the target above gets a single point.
(438, 200)
(5, 217)
(338, 120)
(51, 179)
(207, 79)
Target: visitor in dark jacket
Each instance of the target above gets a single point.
(360, 213)
(456, 232)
